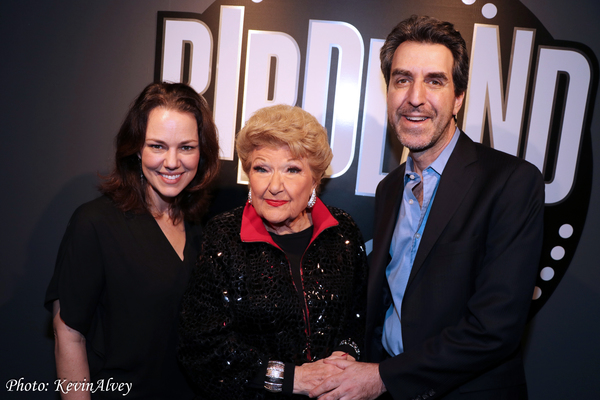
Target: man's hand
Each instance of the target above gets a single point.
(309, 375)
(360, 381)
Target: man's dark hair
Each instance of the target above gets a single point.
(124, 184)
(423, 29)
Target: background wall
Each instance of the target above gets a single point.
(70, 69)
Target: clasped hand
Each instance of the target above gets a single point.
(339, 377)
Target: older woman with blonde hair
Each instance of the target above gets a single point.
(280, 283)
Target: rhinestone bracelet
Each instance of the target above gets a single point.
(353, 345)
(274, 377)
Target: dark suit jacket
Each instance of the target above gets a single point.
(471, 284)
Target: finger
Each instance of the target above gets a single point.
(327, 386)
(342, 364)
(333, 395)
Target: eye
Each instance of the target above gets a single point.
(294, 170)
(155, 146)
(258, 168)
(187, 148)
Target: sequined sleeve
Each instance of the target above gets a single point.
(353, 329)
(214, 356)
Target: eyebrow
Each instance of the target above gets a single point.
(434, 75)
(437, 75)
(160, 141)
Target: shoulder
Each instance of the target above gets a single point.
(492, 162)
(498, 162)
(340, 215)
(345, 221)
(227, 222)
(98, 210)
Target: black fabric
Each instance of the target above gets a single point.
(294, 245)
(242, 307)
(119, 282)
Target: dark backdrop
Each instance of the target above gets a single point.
(69, 70)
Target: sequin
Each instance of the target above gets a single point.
(224, 343)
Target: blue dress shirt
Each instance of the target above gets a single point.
(412, 219)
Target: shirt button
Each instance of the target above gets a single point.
(410, 201)
(417, 236)
(411, 176)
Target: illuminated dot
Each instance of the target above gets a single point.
(489, 11)
(547, 273)
(537, 293)
(468, 2)
(256, 1)
(557, 253)
(565, 231)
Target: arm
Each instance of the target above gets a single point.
(495, 274)
(70, 354)
(352, 329)
(212, 351)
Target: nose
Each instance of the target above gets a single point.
(171, 159)
(416, 95)
(276, 183)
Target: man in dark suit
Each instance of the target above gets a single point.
(457, 241)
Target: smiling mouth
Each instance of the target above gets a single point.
(171, 177)
(276, 203)
(416, 119)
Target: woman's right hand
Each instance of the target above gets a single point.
(310, 375)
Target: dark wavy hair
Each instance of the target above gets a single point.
(124, 184)
(423, 29)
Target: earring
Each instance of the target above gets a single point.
(250, 196)
(313, 199)
(141, 170)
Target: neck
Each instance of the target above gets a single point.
(158, 205)
(424, 158)
(300, 223)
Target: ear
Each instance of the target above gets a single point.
(458, 101)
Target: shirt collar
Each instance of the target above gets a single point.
(253, 229)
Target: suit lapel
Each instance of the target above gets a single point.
(386, 216)
(454, 184)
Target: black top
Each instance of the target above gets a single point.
(294, 245)
(120, 282)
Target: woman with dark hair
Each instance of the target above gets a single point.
(125, 259)
(281, 282)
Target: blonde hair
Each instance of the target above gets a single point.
(286, 125)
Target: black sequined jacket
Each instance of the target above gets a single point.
(242, 309)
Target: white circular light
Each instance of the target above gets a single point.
(547, 273)
(557, 253)
(565, 231)
(489, 11)
(468, 2)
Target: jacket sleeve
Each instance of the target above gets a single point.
(353, 329)
(495, 312)
(213, 354)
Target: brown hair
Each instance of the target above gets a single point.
(423, 29)
(286, 125)
(124, 184)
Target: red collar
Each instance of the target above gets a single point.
(253, 229)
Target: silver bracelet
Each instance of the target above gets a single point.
(274, 377)
(353, 345)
